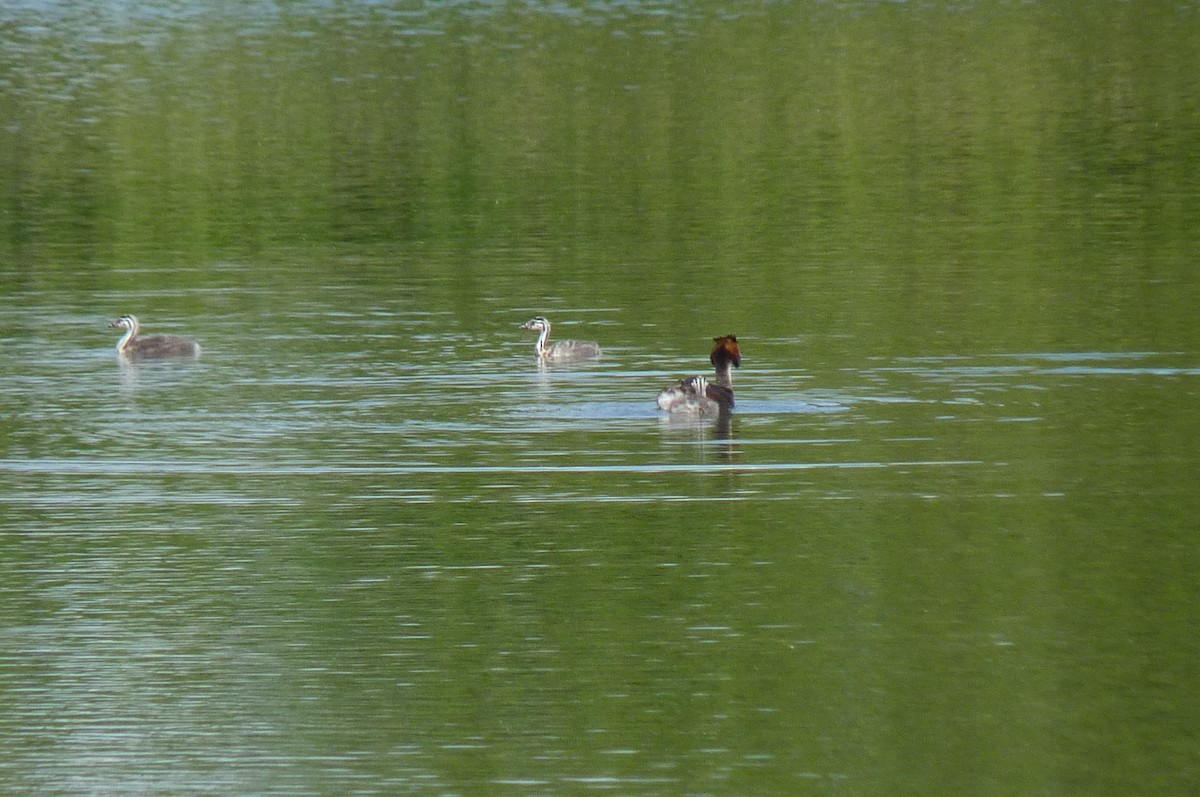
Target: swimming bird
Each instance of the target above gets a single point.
(562, 350)
(133, 346)
(701, 395)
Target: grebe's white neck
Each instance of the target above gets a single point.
(543, 327)
(540, 346)
(124, 341)
(130, 325)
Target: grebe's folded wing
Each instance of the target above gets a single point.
(721, 394)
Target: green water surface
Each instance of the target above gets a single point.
(946, 546)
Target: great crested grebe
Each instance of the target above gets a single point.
(700, 395)
(151, 346)
(562, 350)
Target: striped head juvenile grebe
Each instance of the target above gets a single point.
(700, 395)
(134, 346)
(562, 350)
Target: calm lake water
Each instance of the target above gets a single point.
(946, 544)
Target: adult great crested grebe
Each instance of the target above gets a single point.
(700, 395)
(133, 346)
(562, 350)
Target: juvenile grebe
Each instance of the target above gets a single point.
(151, 346)
(562, 350)
(698, 395)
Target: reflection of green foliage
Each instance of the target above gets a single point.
(786, 150)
